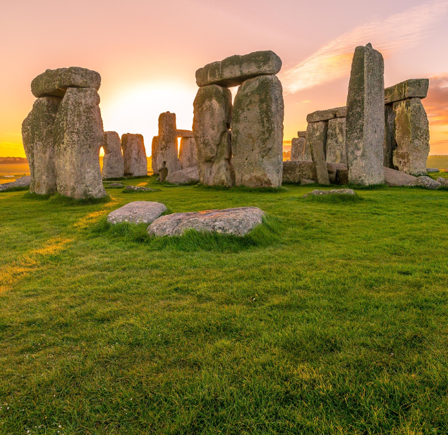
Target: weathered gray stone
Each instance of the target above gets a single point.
(114, 185)
(298, 149)
(134, 155)
(137, 212)
(301, 134)
(38, 141)
(234, 70)
(305, 182)
(365, 117)
(113, 162)
(184, 176)
(184, 133)
(139, 189)
(411, 136)
(257, 132)
(432, 170)
(316, 137)
(212, 115)
(168, 153)
(330, 192)
(56, 81)
(235, 221)
(443, 181)
(326, 115)
(335, 150)
(427, 182)
(78, 137)
(188, 155)
(393, 177)
(21, 183)
(413, 88)
(389, 136)
(155, 154)
(295, 172)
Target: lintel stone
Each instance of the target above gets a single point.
(413, 88)
(326, 115)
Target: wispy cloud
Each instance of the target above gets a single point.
(436, 104)
(397, 32)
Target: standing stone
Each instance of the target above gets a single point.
(113, 163)
(365, 117)
(412, 137)
(212, 114)
(37, 134)
(307, 150)
(257, 133)
(78, 136)
(389, 136)
(335, 150)
(155, 154)
(188, 156)
(134, 155)
(298, 145)
(168, 152)
(316, 137)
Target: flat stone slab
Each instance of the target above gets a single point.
(139, 189)
(184, 176)
(326, 115)
(184, 133)
(413, 88)
(331, 192)
(56, 81)
(137, 212)
(427, 182)
(443, 181)
(431, 170)
(20, 182)
(395, 178)
(234, 221)
(113, 185)
(234, 70)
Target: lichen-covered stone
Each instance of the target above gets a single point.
(78, 137)
(389, 136)
(184, 133)
(336, 152)
(257, 132)
(155, 155)
(330, 192)
(296, 171)
(326, 115)
(56, 81)
(137, 212)
(38, 141)
(413, 88)
(188, 155)
(167, 156)
(184, 176)
(365, 118)
(443, 181)
(212, 115)
(316, 136)
(427, 182)
(113, 162)
(411, 137)
(234, 70)
(234, 221)
(297, 149)
(134, 155)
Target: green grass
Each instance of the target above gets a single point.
(331, 318)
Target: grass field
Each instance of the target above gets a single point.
(331, 321)
(440, 162)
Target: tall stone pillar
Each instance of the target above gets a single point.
(365, 118)
(212, 115)
(317, 137)
(188, 155)
(134, 155)
(113, 162)
(299, 148)
(168, 151)
(155, 154)
(336, 151)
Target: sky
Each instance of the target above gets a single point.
(147, 52)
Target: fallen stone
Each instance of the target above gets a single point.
(316, 135)
(78, 137)
(335, 150)
(305, 182)
(17, 184)
(38, 142)
(114, 185)
(234, 221)
(393, 177)
(184, 176)
(134, 155)
(257, 132)
(113, 162)
(188, 155)
(431, 170)
(184, 133)
(139, 189)
(331, 192)
(326, 115)
(167, 156)
(55, 82)
(234, 70)
(137, 212)
(427, 182)
(413, 88)
(365, 118)
(411, 137)
(212, 115)
(443, 181)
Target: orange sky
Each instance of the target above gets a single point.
(147, 53)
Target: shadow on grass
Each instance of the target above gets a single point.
(30, 195)
(141, 191)
(244, 189)
(64, 200)
(266, 234)
(15, 189)
(334, 199)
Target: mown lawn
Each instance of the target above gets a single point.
(331, 321)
